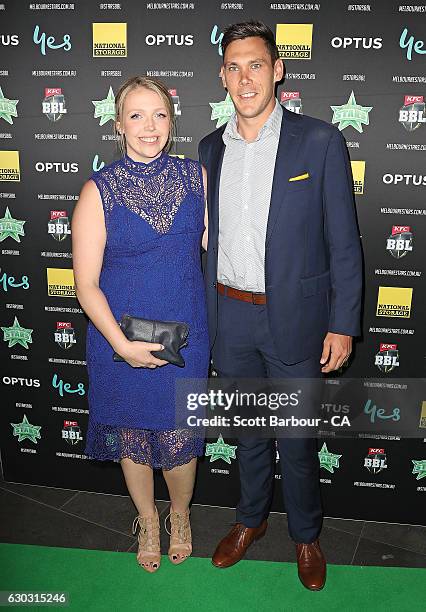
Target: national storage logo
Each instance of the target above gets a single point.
(109, 39)
(394, 302)
(294, 40)
(9, 166)
(60, 282)
(358, 172)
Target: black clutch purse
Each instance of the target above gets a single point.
(171, 334)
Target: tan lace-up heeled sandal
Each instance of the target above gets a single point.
(180, 536)
(149, 552)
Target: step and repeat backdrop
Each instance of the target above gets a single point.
(360, 67)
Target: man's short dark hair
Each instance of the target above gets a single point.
(239, 31)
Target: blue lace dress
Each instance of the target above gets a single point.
(154, 217)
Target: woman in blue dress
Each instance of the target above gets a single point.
(137, 230)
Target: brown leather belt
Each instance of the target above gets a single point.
(244, 296)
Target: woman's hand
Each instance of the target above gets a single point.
(139, 355)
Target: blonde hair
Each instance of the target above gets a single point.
(148, 83)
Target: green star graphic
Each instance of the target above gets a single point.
(327, 460)
(351, 114)
(222, 110)
(10, 227)
(17, 335)
(105, 109)
(419, 468)
(26, 430)
(220, 450)
(7, 108)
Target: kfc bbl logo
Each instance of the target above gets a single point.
(400, 242)
(292, 101)
(54, 103)
(387, 358)
(59, 226)
(65, 335)
(375, 461)
(412, 114)
(176, 102)
(71, 432)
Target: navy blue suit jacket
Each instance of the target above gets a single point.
(313, 262)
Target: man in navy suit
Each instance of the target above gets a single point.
(283, 275)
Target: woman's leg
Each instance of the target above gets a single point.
(180, 482)
(140, 484)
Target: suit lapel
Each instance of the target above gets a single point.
(286, 160)
(216, 158)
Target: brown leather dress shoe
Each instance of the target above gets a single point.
(233, 547)
(311, 565)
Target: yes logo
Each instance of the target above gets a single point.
(49, 41)
(7, 281)
(64, 387)
(216, 40)
(97, 164)
(410, 45)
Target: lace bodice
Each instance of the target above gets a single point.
(154, 191)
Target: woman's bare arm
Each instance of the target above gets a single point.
(88, 245)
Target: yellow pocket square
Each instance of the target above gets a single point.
(300, 177)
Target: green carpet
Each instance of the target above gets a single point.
(104, 581)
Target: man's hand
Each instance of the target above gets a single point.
(336, 351)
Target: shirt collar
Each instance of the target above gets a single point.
(272, 125)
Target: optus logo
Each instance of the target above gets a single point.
(64, 387)
(358, 42)
(170, 39)
(23, 382)
(48, 42)
(56, 166)
(7, 40)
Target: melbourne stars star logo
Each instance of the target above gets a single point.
(419, 468)
(10, 227)
(222, 110)
(25, 430)
(7, 108)
(351, 114)
(105, 109)
(17, 335)
(220, 450)
(328, 460)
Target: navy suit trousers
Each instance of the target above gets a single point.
(244, 348)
